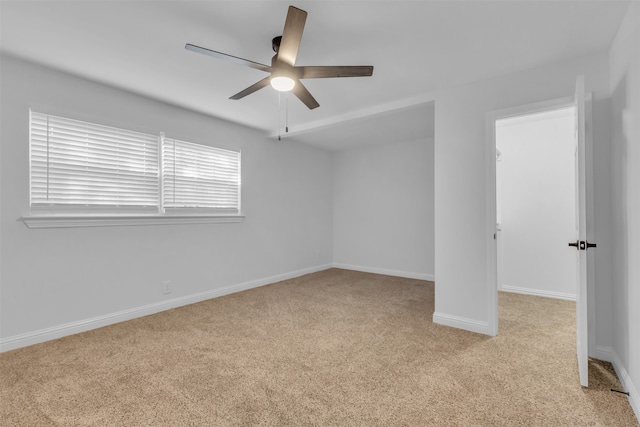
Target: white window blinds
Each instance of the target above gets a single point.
(199, 176)
(83, 165)
(79, 163)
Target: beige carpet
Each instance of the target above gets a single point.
(335, 348)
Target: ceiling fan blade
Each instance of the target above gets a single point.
(291, 35)
(322, 72)
(303, 95)
(226, 57)
(254, 87)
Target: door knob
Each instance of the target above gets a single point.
(582, 245)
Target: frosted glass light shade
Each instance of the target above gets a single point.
(282, 83)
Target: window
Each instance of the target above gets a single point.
(87, 169)
(76, 163)
(197, 176)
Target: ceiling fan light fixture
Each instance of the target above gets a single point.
(282, 83)
(284, 74)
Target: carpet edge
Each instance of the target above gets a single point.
(386, 272)
(538, 293)
(461, 323)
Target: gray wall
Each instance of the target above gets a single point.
(624, 63)
(383, 209)
(54, 277)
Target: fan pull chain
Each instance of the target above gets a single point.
(286, 115)
(279, 124)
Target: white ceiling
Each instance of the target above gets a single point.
(416, 48)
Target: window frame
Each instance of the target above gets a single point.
(42, 215)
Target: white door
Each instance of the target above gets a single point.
(581, 245)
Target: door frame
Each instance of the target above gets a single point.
(491, 214)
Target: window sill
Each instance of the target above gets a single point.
(72, 221)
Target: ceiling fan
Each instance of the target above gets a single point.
(284, 74)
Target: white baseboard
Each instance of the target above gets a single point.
(386, 272)
(461, 323)
(538, 293)
(59, 331)
(623, 376)
(604, 353)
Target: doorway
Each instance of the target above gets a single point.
(535, 203)
(583, 213)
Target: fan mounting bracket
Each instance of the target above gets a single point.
(275, 43)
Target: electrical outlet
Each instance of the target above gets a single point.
(166, 287)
